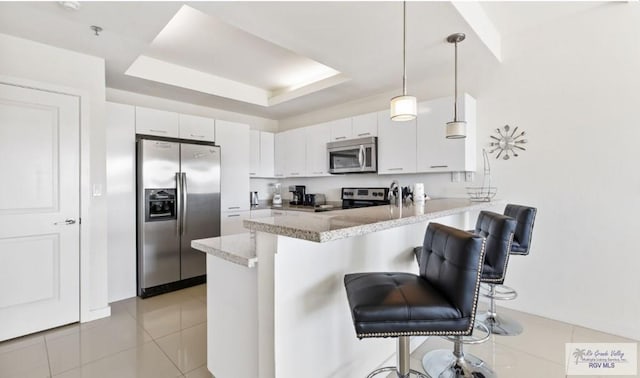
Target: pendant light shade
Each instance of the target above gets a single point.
(456, 129)
(404, 108)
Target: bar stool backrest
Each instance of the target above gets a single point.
(525, 216)
(451, 261)
(499, 230)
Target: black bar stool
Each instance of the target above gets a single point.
(499, 324)
(440, 301)
(498, 231)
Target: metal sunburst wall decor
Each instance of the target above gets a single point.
(507, 143)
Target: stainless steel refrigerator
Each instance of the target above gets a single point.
(178, 196)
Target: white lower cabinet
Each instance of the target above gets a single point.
(396, 145)
(231, 222)
(261, 213)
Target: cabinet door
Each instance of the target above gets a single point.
(396, 145)
(231, 222)
(267, 156)
(254, 153)
(233, 139)
(340, 129)
(436, 153)
(280, 155)
(295, 148)
(317, 138)
(156, 122)
(196, 128)
(365, 125)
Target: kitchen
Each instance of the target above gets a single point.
(566, 93)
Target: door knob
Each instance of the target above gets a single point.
(66, 222)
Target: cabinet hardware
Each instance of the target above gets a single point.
(233, 207)
(158, 131)
(66, 222)
(364, 134)
(197, 136)
(343, 137)
(395, 169)
(294, 173)
(252, 173)
(233, 215)
(439, 166)
(318, 173)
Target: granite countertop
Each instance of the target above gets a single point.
(237, 248)
(334, 225)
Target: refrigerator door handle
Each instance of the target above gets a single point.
(178, 201)
(184, 202)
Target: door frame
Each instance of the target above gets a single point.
(87, 313)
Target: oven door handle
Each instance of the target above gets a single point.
(361, 161)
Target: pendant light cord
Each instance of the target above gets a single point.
(404, 48)
(455, 90)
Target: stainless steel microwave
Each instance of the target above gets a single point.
(353, 156)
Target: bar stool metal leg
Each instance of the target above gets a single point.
(499, 324)
(444, 364)
(402, 368)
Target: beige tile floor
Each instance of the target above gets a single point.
(165, 336)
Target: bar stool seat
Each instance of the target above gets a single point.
(440, 301)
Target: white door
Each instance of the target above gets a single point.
(39, 251)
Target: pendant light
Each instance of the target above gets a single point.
(404, 108)
(456, 129)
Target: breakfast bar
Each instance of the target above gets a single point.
(276, 305)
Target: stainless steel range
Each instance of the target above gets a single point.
(364, 197)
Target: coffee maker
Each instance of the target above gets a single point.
(298, 194)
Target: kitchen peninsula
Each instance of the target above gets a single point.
(275, 299)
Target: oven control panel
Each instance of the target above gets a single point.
(365, 194)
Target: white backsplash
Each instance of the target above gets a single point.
(435, 184)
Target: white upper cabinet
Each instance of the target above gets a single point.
(396, 145)
(340, 129)
(280, 155)
(365, 125)
(233, 139)
(435, 152)
(261, 156)
(294, 143)
(317, 137)
(267, 154)
(254, 153)
(196, 128)
(156, 122)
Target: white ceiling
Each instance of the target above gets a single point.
(361, 40)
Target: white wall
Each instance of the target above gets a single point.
(24, 59)
(573, 85)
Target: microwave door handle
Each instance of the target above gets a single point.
(361, 161)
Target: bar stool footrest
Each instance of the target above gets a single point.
(502, 293)
(395, 369)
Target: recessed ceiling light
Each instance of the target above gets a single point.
(70, 5)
